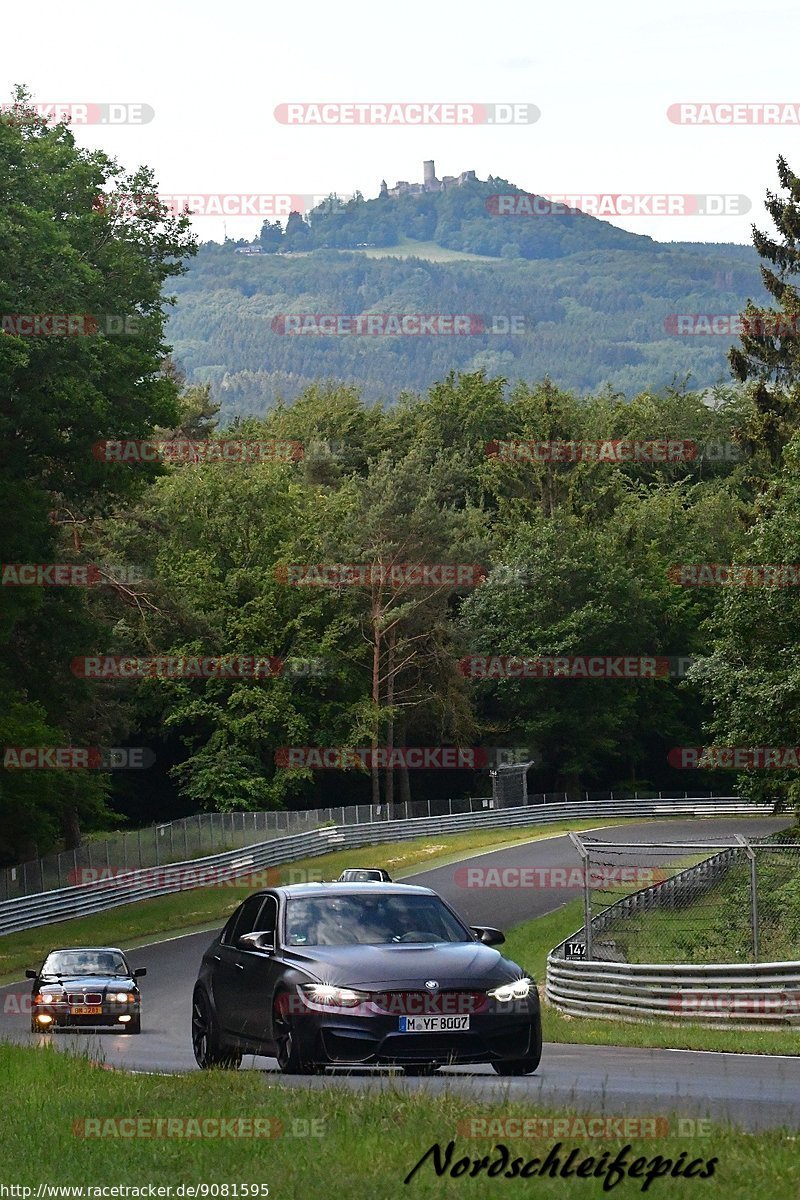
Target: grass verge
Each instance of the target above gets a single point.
(365, 1144)
(430, 251)
(201, 908)
(529, 945)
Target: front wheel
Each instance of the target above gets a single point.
(208, 1048)
(290, 1058)
(523, 1066)
(516, 1066)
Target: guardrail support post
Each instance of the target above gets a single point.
(587, 906)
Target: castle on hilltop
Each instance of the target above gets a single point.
(430, 182)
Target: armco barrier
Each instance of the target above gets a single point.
(746, 993)
(26, 912)
(712, 993)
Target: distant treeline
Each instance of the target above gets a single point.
(595, 317)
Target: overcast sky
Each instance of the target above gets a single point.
(602, 75)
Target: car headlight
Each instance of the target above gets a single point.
(518, 990)
(323, 993)
(45, 998)
(122, 997)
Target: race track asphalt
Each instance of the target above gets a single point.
(753, 1091)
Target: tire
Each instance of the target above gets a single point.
(209, 1050)
(134, 1026)
(523, 1066)
(288, 1053)
(516, 1066)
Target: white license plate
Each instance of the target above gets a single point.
(433, 1024)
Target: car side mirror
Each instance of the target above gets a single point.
(256, 941)
(489, 935)
(31, 975)
(139, 972)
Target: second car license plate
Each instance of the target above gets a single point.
(83, 1010)
(433, 1024)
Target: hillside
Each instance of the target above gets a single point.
(591, 303)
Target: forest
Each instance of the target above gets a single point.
(601, 313)
(198, 553)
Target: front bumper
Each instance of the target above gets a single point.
(365, 1039)
(61, 1015)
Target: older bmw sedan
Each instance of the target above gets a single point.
(364, 875)
(88, 986)
(336, 974)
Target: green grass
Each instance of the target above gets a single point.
(368, 1145)
(202, 908)
(430, 251)
(529, 945)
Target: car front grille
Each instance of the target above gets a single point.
(431, 1046)
(85, 998)
(445, 1003)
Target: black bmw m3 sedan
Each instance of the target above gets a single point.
(338, 974)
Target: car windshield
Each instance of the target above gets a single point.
(361, 876)
(370, 920)
(84, 962)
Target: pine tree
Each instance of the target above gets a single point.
(769, 350)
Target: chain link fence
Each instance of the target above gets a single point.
(213, 833)
(203, 834)
(712, 901)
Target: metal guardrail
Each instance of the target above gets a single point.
(711, 993)
(745, 993)
(216, 832)
(27, 912)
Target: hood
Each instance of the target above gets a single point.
(453, 964)
(89, 983)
